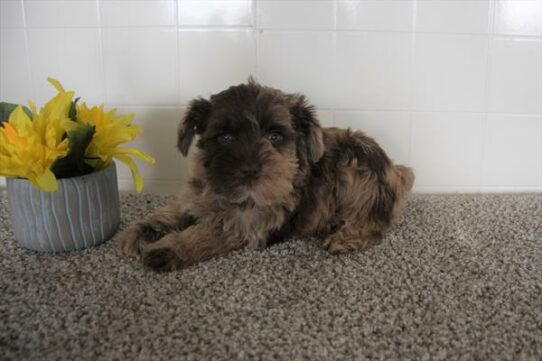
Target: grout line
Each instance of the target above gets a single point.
(511, 36)
(181, 27)
(487, 86)
(168, 106)
(454, 188)
(420, 188)
(178, 52)
(339, 110)
(449, 190)
(310, 30)
(28, 51)
(413, 80)
(429, 111)
(335, 65)
(161, 180)
(257, 33)
(102, 51)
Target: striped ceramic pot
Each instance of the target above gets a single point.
(83, 212)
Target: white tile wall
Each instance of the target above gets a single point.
(446, 149)
(298, 61)
(11, 13)
(390, 129)
(295, 14)
(383, 15)
(453, 16)
(451, 87)
(61, 13)
(74, 57)
(141, 66)
(518, 17)
(449, 72)
(117, 13)
(215, 12)
(513, 151)
(514, 76)
(213, 60)
(15, 74)
(374, 70)
(159, 126)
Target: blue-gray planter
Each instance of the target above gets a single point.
(83, 212)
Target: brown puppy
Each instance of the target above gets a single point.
(265, 170)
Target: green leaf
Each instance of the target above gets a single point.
(7, 108)
(72, 114)
(73, 164)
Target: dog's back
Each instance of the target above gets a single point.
(355, 193)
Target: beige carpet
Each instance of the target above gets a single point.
(460, 277)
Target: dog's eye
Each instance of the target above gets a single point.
(225, 138)
(275, 138)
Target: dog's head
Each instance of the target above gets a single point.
(255, 142)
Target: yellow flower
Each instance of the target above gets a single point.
(28, 147)
(111, 131)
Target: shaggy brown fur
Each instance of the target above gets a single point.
(265, 170)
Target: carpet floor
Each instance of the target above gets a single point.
(459, 277)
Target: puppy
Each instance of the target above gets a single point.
(264, 171)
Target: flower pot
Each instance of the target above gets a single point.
(83, 212)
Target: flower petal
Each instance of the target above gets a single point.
(135, 152)
(138, 181)
(46, 181)
(56, 84)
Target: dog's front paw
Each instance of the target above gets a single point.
(161, 259)
(134, 238)
(337, 244)
(130, 241)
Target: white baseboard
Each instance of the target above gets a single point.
(477, 189)
(162, 187)
(166, 187)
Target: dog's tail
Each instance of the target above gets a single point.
(407, 177)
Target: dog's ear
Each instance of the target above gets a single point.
(195, 122)
(305, 120)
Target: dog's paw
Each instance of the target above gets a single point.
(161, 259)
(134, 238)
(335, 245)
(130, 241)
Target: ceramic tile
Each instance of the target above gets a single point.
(11, 13)
(141, 66)
(449, 72)
(515, 76)
(298, 62)
(204, 68)
(159, 126)
(326, 117)
(513, 151)
(374, 70)
(390, 129)
(466, 16)
(518, 17)
(16, 84)
(295, 14)
(446, 149)
(215, 13)
(74, 58)
(138, 13)
(61, 13)
(383, 15)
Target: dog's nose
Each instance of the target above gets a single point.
(250, 170)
